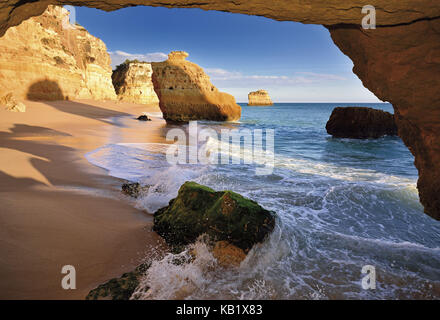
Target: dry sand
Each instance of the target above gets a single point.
(57, 209)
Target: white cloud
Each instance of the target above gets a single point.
(299, 87)
(225, 78)
(322, 76)
(119, 57)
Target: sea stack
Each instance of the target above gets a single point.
(186, 93)
(47, 58)
(360, 123)
(259, 98)
(133, 82)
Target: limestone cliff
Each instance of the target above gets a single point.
(46, 58)
(133, 83)
(259, 98)
(186, 93)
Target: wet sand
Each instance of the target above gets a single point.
(57, 209)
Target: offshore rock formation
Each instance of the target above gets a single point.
(360, 123)
(133, 83)
(46, 58)
(259, 98)
(186, 93)
(223, 216)
(407, 41)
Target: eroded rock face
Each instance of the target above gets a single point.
(326, 12)
(133, 83)
(259, 98)
(11, 104)
(46, 58)
(401, 64)
(223, 216)
(186, 93)
(360, 123)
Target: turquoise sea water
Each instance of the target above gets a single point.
(341, 204)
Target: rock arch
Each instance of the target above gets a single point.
(399, 61)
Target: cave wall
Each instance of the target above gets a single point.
(399, 61)
(401, 64)
(326, 12)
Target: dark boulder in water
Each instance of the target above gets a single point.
(360, 123)
(119, 288)
(223, 216)
(131, 189)
(143, 118)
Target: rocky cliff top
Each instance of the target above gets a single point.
(259, 92)
(177, 55)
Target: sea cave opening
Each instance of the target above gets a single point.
(341, 203)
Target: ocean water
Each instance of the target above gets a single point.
(341, 204)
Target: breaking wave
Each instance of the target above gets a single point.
(341, 204)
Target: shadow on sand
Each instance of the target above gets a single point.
(50, 93)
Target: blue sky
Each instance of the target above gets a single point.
(293, 61)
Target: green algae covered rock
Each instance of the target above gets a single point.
(119, 288)
(224, 216)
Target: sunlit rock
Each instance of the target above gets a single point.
(186, 93)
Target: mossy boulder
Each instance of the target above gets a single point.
(119, 288)
(224, 216)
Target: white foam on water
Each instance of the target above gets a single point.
(247, 155)
(332, 220)
(177, 276)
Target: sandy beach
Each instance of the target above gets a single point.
(57, 209)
